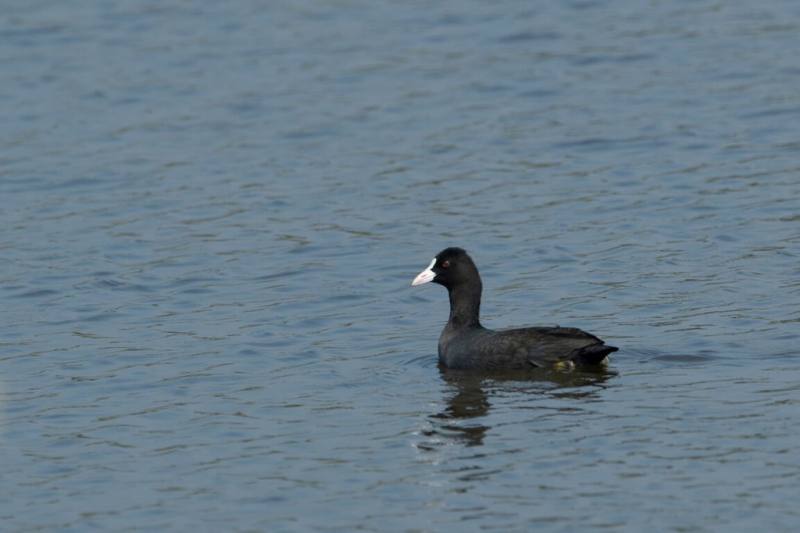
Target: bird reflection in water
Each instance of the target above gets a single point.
(468, 400)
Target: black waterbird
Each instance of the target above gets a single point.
(465, 344)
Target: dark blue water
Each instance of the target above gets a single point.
(211, 214)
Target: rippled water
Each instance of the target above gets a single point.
(211, 214)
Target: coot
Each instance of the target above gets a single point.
(465, 344)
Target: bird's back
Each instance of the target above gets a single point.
(518, 349)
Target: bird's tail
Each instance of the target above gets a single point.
(593, 354)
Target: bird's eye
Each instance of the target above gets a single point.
(446, 264)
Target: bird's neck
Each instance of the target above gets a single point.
(465, 306)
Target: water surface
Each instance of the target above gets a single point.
(211, 215)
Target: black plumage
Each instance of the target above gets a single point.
(466, 344)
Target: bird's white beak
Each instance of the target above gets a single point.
(425, 276)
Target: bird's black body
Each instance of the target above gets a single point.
(465, 344)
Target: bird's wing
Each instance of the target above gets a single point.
(542, 346)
